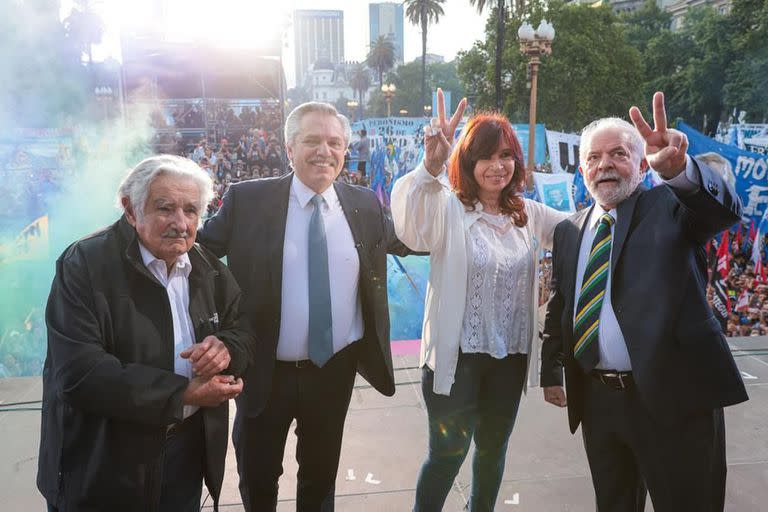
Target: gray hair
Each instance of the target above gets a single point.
(135, 185)
(635, 140)
(293, 121)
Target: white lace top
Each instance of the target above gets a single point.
(497, 313)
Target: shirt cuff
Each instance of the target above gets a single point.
(687, 181)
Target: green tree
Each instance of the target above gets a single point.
(645, 23)
(407, 79)
(381, 58)
(747, 73)
(592, 71)
(500, 14)
(423, 13)
(473, 71)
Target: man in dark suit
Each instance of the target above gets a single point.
(310, 256)
(647, 369)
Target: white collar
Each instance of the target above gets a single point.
(305, 194)
(596, 213)
(182, 262)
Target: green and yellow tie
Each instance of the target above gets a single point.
(587, 322)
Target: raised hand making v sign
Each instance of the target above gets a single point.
(665, 148)
(438, 135)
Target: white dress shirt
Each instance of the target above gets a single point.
(177, 287)
(497, 317)
(344, 274)
(613, 348)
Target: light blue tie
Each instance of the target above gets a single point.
(320, 320)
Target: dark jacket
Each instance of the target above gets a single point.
(250, 230)
(681, 363)
(109, 387)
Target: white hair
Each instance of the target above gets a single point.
(634, 139)
(135, 185)
(293, 121)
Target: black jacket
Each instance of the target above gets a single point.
(109, 387)
(250, 230)
(681, 363)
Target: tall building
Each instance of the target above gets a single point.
(386, 19)
(318, 34)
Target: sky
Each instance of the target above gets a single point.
(238, 22)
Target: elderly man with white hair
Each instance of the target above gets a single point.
(145, 348)
(647, 369)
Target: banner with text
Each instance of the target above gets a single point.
(747, 171)
(563, 151)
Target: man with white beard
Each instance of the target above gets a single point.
(647, 370)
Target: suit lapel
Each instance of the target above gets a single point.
(573, 244)
(352, 213)
(624, 211)
(276, 233)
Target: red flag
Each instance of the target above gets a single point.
(747, 249)
(743, 303)
(760, 271)
(723, 256)
(737, 238)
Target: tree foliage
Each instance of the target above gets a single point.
(602, 63)
(423, 13)
(381, 57)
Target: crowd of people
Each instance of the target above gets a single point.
(258, 152)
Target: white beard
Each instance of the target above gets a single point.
(620, 192)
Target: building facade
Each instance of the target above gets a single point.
(386, 19)
(318, 35)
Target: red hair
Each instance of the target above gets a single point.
(480, 138)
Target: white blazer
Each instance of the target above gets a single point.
(428, 216)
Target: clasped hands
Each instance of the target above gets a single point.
(208, 388)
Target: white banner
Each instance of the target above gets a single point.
(563, 151)
(555, 190)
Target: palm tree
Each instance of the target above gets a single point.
(423, 12)
(381, 57)
(501, 19)
(360, 81)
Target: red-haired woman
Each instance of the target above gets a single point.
(480, 319)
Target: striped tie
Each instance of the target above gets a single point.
(587, 322)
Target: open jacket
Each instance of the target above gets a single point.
(681, 362)
(109, 387)
(249, 229)
(430, 217)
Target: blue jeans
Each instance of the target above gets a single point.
(482, 405)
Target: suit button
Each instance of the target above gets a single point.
(713, 188)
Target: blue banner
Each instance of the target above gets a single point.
(746, 171)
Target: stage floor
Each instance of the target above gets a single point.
(385, 441)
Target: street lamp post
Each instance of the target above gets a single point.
(534, 44)
(388, 90)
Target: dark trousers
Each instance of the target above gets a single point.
(318, 399)
(483, 404)
(682, 466)
(183, 459)
(181, 479)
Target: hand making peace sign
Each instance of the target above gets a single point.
(665, 148)
(438, 135)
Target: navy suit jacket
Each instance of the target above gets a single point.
(249, 229)
(681, 362)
